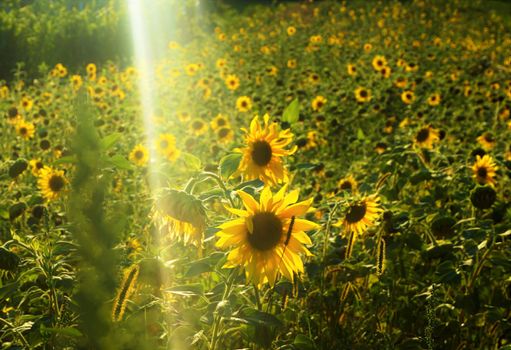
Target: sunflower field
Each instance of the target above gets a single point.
(299, 175)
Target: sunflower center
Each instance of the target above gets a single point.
(197, 125)
(363, 93)
(482, 173)
(221, 122)
(422, 135)
(267, 230)
(164, 144)
(346, 185)
(23, 130)
(139, 154)
(261, 153)
(356, 212)
(56, 183)
(223, 132)
(244, 104)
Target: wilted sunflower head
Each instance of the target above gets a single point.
(51, 182)
(360, 215)
(181, 216)
(267, 238)
(484, 170)
(265, 147)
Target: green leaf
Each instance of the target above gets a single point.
(108, 141)
(303, 342)
(193, 162)
(119, 162)
(67, 331)
(187, 290)
(292, 112)
(229, 164)
(256, 317)
(360, 134)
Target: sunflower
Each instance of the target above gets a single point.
(166, 146)
(385, 72)
(232, 82)
(486, 140)
(27, 103)
(219, 121)
(76, 82)
(292, 63)
(244, 104)
(314, 78)
(139, 155)
(25, 129)
(347, 184)
(267, 239)
(181, 216)
(362, 94)
(264, 150)
(198, 127)
(51, 182)
(291, 30)
(318, 103)
(35, 166)
(426, 137)
(352, 69)
(379, 62)
(434, 100)
(225, 134)
(183, 116)
(191, 69)
(361, 214)
(484, 170)
(408, 97)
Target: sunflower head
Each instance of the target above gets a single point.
(360, 215)
(25, 129)
(139, 155)
(484, 170)
(51, 182)
(265, 147)
(181, 216)
(348, 184)
(244, 104)
(267, 238)
(362, 95)
(426, 137)
(487, 141)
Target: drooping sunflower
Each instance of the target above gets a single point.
(318, 103)
(268, 237)
(362, 94)
(361, 214)
(139, 155)
(51, 182)
(25, 129)
(347, 184)
(181, 216)
(426, 137)
(263, 152)
(244, 104)
(484, 170)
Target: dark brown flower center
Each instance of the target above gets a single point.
(223, 132)
(356, 213)
(221, 122)
(422, 135)
(267, 230)
(23, 130)
(482, 172)
(164, 144)
(346, 185)
(261, 153)
(244, 104)
(363, 93)
(139, 154)
(56, 183)
(197, 125)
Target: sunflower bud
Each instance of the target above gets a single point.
(182, 215)
(483, 197)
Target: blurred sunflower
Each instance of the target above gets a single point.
(224, 134)
(352, 69)
(426, 137)
(232, 82)
(244, 104)
(219, 121)
(379, 62)
(268, 237)
(139, 155)
(434, 100)
(407, 97)
(35, 166)
(361, 214)
(263, 152)
(25, 129)
(165, 142)
(291, 30)
(486, 141)
(484, 170)
(318, 103)
(362, 94)
(51, 182)
(347, 184)
(198, 127)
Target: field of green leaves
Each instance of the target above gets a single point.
(305, 175)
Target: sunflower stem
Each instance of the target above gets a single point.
(220, 183)
(257, 297)
(218, 318)
(327, 230)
